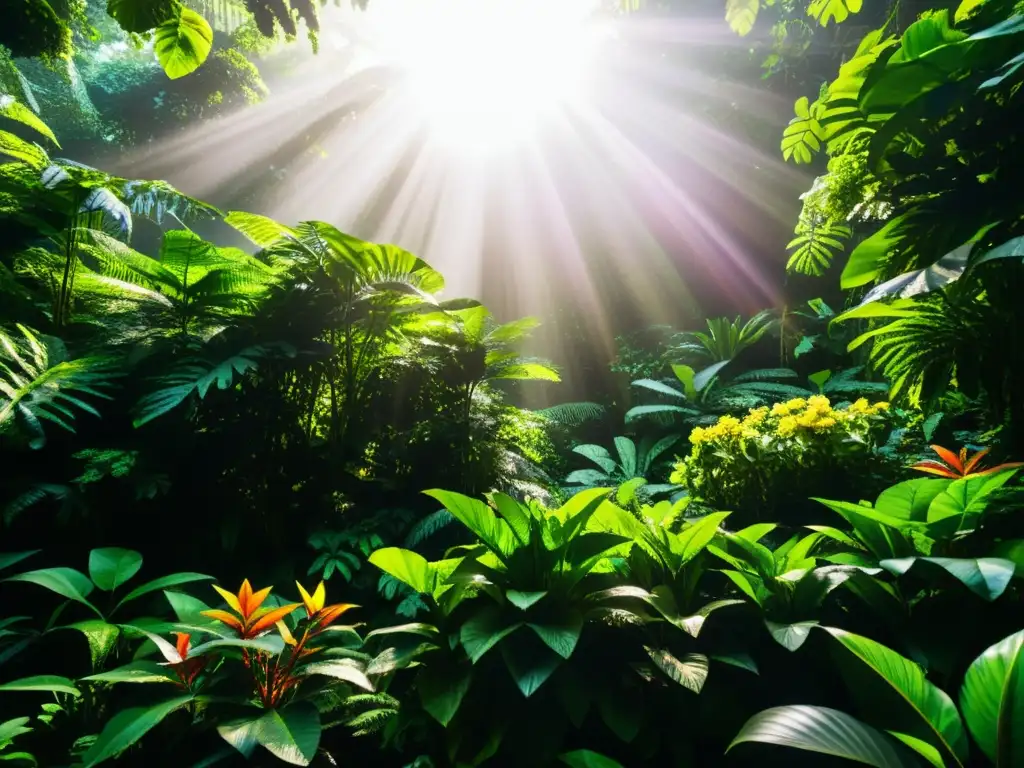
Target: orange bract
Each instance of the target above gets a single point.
(315, 605)
(956, 466)
(252, 620)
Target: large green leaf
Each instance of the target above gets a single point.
(529, 664)
(932, 715)
(173, 580)
(110, 567)
(987, 577)
(695, 536)
(992, 700)
(866, 259)
(584, 758)
(182, 43)
(790, 636)
(127, 727)
(348, 670)
(13, 109)
(26, 152)
(139, 671)
(408, 567)
(479, 518)
(824, 730)
(691, 671)
(292, 733)
(963, 501)
(483, 630)
(560, 635)
(910, 499)
(7, 559)
(42, 683)
(101, 637)
(66, 582)
(442, 686)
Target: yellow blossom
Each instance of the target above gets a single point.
(697, 435)
(756, 416)
(819, 403)
(787, 426)
(859, 406)
(826, 423)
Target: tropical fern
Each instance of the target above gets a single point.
(573, 414)
(816, 245)
(427, 527)
(198, 376)
(39, 382)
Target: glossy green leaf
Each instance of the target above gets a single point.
(483, 630)
(406, 566)
(127, 727)
(110, 567)
(584, 758)
(182, 43)
(823, 730)
(524, 600)
(560, 636)
(529, 665)
(865, 261)
(42, 683)
(292, 733)
(695, 536)
(66, 582)
(442, 687)
(910, 499)
(7, 559)
(141, 15)
(986, 577)
(340, 669)
(790, 636)
(413, 628)
(934, 716)
(139, 671)
(240, 732)
(992, 700)
(691, 671)
(479, 518)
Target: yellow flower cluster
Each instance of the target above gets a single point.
(786, 419)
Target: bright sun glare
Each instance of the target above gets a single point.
(487, 73)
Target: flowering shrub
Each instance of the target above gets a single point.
(781, 455)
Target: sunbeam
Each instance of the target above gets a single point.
(516, 145)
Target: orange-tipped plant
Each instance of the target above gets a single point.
(275, 675)
(956, 466)
(251, 620)
(187, 669)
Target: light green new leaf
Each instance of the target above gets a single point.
(741, 15)
(42, 683)
(101, 637)
(291, 734)
(866, 259)
(936, 718)
(26, 152)
(824, 730)
(182, 43)
(691, 671)
(13, 109)
(992, 700)
(66, 582)
(987, 577)
(524, 600)
(110, 567)
(479, 518)
(127, 727)
(406, 566)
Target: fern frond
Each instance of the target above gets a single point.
(572, 414)
(427, 527)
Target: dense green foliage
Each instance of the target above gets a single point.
(736, 565)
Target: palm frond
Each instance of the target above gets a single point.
(427, 527)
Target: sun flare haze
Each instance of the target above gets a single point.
(541, 154)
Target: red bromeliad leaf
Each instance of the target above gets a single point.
(270, 618)
(182, 644)
(935, 468)
(954, 461)
(975, 459)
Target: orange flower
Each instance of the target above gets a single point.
(251, 619)
(187, 669)
(956, 466)
(315, 609)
